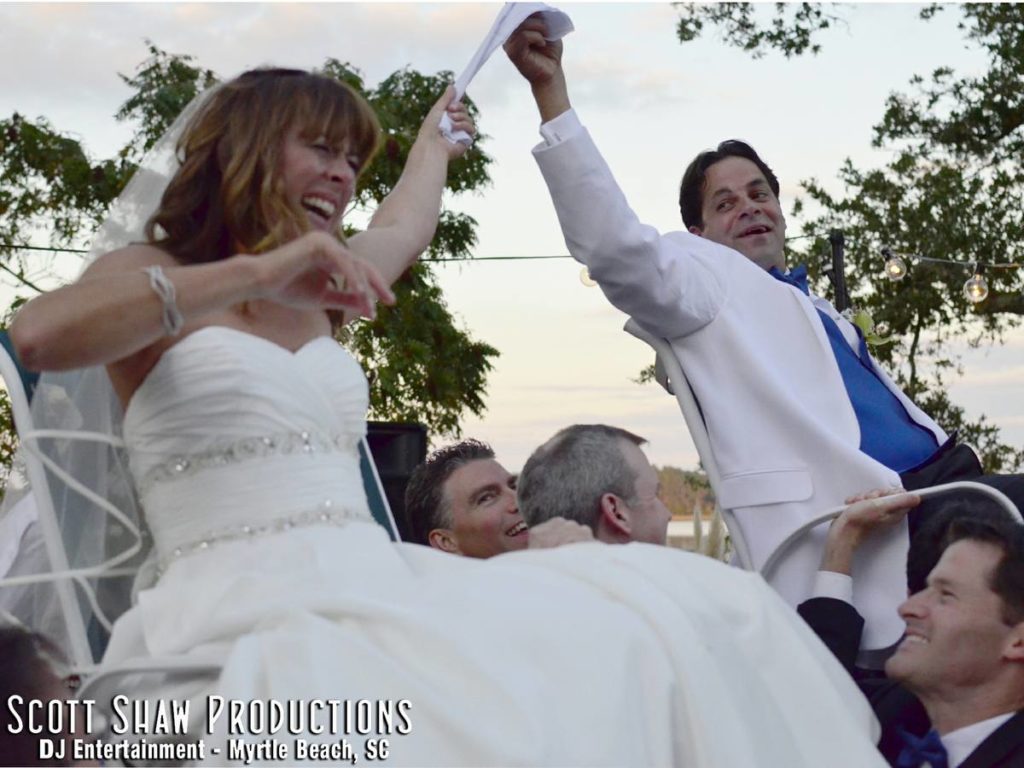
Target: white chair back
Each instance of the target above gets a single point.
(77, 639)
(671, 376)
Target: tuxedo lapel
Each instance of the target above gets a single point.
(1004, 748)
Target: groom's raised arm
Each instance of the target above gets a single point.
(663, 281)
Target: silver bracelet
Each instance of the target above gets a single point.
(164, 288)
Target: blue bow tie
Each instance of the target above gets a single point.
(917, 751)
(797, 277)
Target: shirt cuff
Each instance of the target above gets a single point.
(561, 128)
(838, 586)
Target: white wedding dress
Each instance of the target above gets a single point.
(244, 455)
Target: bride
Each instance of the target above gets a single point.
(271, 585)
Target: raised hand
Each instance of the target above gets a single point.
(316, 270)
(461, 121)
(875, 510)
(537, 59)
(866, 514)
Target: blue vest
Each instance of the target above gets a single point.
(887, 433)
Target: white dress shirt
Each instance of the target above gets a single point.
(962, 742)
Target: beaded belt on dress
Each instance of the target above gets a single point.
(325, 513)
(247, 448)
(185, 465)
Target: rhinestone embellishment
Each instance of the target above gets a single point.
(323, 514)
(243, 450)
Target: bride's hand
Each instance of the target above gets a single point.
(316, 270)
(461, 121)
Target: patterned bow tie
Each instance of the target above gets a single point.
(797, 276)
(918, 751)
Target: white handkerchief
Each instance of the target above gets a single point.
(509, 18)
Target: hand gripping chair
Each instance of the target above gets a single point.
(670, 375)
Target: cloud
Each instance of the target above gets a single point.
(1013, 375)
(607, 79)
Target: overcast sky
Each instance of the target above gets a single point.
(650, 102)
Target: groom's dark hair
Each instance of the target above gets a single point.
(694, 184)
(426, 506)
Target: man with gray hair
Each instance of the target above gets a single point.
(598, 476)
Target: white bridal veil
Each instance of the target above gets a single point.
(73, 545)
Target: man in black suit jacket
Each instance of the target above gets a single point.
(960, 667)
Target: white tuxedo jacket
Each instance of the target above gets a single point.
(781, 425)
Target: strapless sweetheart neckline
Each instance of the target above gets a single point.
(183, 345)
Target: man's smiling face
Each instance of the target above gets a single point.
(740, 210)
(483, 513)
(956, 636)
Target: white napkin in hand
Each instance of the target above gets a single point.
(508, 20)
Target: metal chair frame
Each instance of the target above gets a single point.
(68, 599)
(670, 375)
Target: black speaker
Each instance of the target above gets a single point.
(397, 450)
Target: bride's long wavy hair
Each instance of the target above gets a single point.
(227, 197)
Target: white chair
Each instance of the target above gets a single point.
(669, 373)
(17, 382)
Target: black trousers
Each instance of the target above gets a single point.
(953, 462)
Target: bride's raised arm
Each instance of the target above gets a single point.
(405, 221)
(255, 163)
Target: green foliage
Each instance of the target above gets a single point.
(421, 366)
(49, 184)
(789, 30)
(646, 375)
(163, 86)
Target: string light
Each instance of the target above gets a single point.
(895, 266)
(976, 288)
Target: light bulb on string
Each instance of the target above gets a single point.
(895, 266)
(976, 288)
(586, 279)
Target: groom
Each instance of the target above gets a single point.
(799, 415)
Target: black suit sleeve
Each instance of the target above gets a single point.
(838, 625)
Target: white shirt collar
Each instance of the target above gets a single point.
(962, 742)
